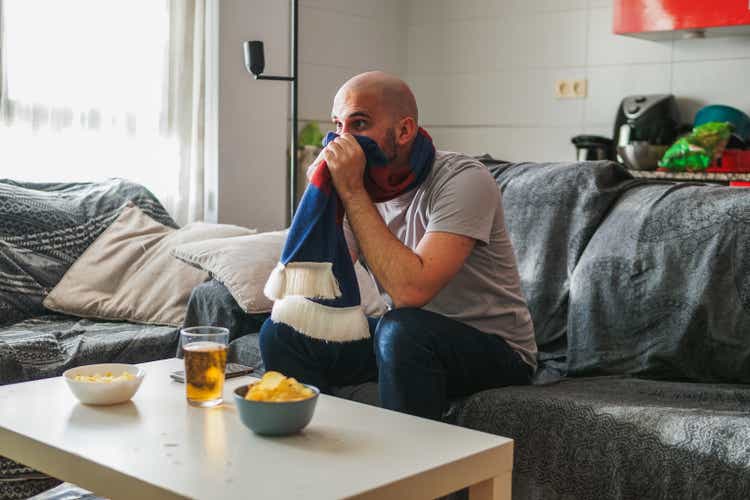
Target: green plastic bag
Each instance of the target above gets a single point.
(697, 150)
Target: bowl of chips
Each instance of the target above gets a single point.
(104, 384)
(276, 405)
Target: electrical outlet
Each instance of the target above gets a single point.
(580, 87)
(563, 89)
(570, 88)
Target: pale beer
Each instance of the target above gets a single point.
(205, 363)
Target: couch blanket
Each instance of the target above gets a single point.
(48, 345)
(44, 227)
(211, 304)
(663, 287)
(18, 482)
(618, 437)
(552, 210)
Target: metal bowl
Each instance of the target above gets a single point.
(640, 155)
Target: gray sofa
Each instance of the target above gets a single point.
(639, 292)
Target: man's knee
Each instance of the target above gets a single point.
(272, 337)
(399, 333)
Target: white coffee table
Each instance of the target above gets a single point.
(157, 446)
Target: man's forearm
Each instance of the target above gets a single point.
(396, 267)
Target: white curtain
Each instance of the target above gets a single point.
(187, 94)
(94, 89)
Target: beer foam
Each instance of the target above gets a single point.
(204, 345)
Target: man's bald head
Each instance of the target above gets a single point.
(392, 93)
(379, 106)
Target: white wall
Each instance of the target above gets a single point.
(338, 39)
(343, 38)
(252, 135)
(484, 71)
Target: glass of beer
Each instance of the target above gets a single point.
(205, 352)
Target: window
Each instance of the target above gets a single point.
(87, 93)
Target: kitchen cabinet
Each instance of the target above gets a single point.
(660, 19)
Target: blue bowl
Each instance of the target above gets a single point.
(721, 113)
(275, 418)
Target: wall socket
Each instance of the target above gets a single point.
(571, 89)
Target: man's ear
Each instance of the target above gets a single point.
(406, 130)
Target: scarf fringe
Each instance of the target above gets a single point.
(314, 280)
(337, 324)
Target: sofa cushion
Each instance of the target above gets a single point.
(129, 274)
(663, 287)
(617, 437)
(45, 227)
(244, 263)
(551, 211)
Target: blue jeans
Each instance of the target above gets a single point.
(420, 360)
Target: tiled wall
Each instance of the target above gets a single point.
(484, 71)
(341, 38)
(338, 38)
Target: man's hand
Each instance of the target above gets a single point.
(346, 162)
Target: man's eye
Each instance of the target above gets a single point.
(360, 124)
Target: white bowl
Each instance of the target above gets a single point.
(104, 393)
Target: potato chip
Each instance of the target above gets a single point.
(107, 378)
(274, 386)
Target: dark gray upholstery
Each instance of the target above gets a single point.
(663, 287)
(46, 346)
(552, 210)
(622, 438)
(211, 304)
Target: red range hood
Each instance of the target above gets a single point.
(659, 18)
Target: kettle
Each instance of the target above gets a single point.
(592, 147)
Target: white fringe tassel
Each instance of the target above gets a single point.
(314, 280)
(276, 283)
(337, 324)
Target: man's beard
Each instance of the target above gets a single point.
(390, 142)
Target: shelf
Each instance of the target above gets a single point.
(690, 176)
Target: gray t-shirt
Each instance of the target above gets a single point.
(460, 196)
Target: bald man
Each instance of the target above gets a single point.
(458, 321)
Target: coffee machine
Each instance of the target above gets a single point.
(649, 120)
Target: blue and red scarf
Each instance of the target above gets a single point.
(314, 286)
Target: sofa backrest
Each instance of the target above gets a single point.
(552, 210)
(663, 287)
(627, 276)
(44, 227)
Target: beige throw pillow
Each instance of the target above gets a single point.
(243, 264)
(128, 273)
